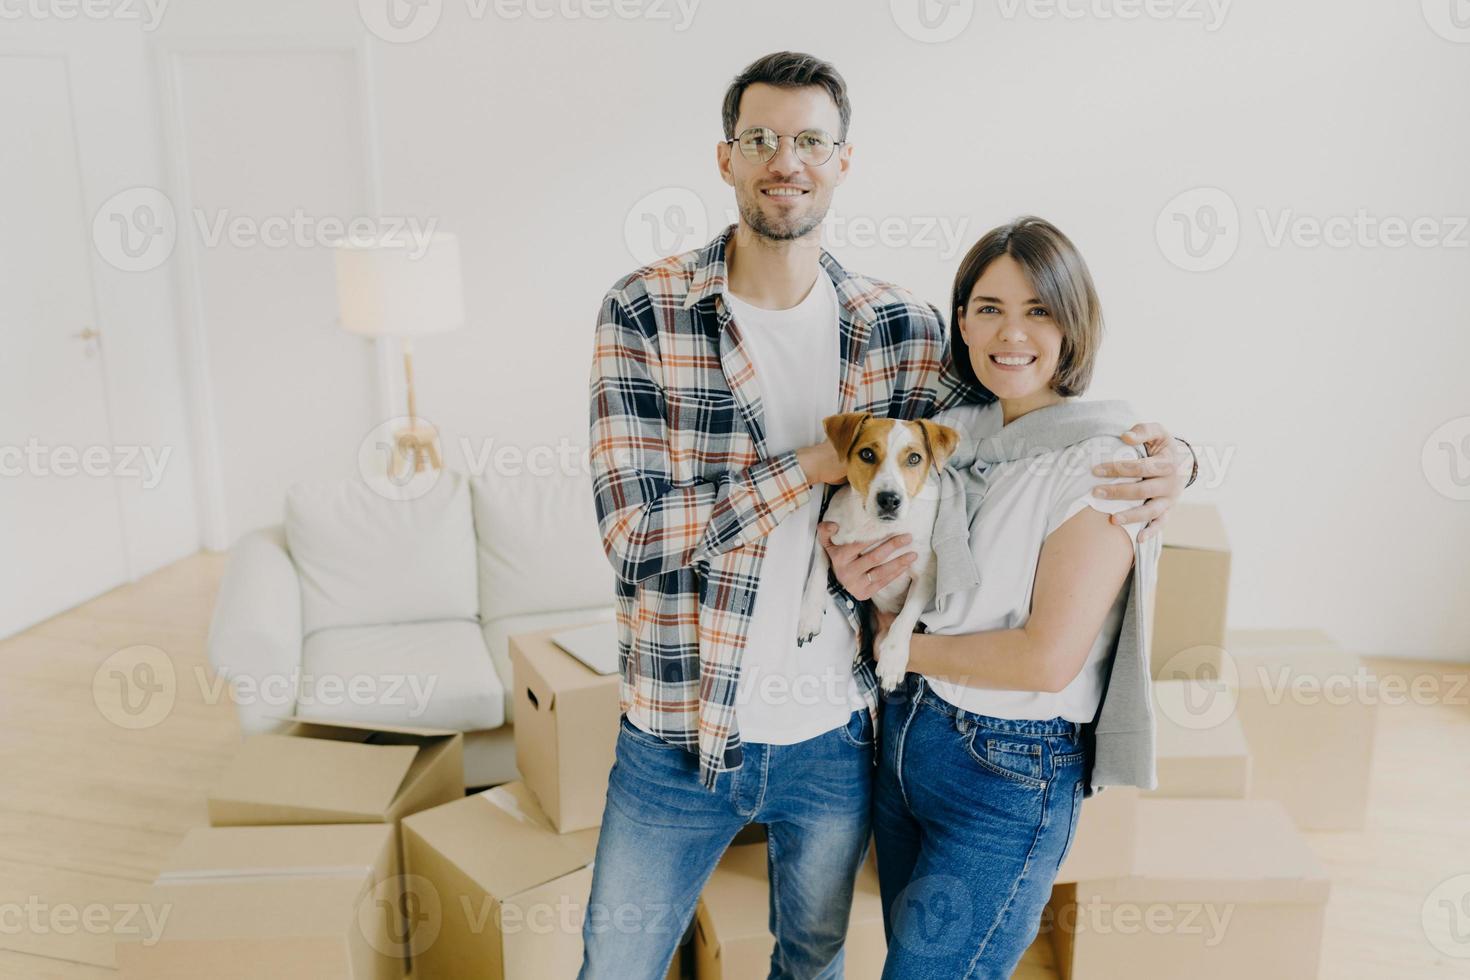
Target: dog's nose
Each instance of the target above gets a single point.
(888, 501)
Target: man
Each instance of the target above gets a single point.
(712, 373)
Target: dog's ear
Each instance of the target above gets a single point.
(843, 430)
(941, 440)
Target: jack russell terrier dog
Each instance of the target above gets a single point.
(889, 467)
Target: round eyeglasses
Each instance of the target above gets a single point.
(759, 144)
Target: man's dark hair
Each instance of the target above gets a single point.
(788, 69)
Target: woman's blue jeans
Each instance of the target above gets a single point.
(972, 817)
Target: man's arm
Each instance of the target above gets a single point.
(648, 525)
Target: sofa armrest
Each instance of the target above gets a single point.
(255, 633)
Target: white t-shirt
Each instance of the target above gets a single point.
(1025, 501)
(788, 693)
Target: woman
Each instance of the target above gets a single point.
(1001, 726)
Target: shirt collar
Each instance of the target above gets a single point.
(711, 274)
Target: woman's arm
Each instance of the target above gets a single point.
(1082, 566)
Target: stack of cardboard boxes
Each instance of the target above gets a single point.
(300, 873)
(511, 867)
(1260, 736)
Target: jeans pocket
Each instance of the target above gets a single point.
(1011, 756)
(858, 730)
(635, 734)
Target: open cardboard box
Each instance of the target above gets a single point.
(1219, 890)
(505, 893)
(338, 772)
(290, 903)
(566, 729)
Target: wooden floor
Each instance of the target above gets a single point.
(90, 808)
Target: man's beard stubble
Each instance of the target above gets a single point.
(782, 230)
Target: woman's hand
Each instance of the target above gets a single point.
(864, 575)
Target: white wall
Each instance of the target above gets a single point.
(1317, 372)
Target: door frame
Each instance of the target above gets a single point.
(214, 530)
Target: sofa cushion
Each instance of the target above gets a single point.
(539, 550)
(431, 675)
(499, 631)
(366, 560)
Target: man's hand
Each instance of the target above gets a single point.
(821, 464)
(1162, 477)
(863, 574)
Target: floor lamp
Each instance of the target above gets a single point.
(388, 288)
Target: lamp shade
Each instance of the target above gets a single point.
(393, 288)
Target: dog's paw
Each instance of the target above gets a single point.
(810, 623)
(893, 663)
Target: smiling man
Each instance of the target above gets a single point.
(712, 373)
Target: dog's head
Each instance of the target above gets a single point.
(889, 460)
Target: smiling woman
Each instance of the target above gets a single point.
(1027, 269)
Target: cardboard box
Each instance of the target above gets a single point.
(1221, 889)
(337, 772)
(294, 903)
(1106, 831)
(1309, 712)
(1192, 594)
(1199, 755)
(732, 937)
(503, 894)
(566, 730)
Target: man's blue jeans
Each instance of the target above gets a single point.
(972, 817)
(663, 833)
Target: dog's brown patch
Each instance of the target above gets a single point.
(866, 443)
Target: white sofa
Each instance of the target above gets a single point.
(364, 607)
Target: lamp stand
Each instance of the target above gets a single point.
(417, 441)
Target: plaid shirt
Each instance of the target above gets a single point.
(686, 492)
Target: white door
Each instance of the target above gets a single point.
(61, 537)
